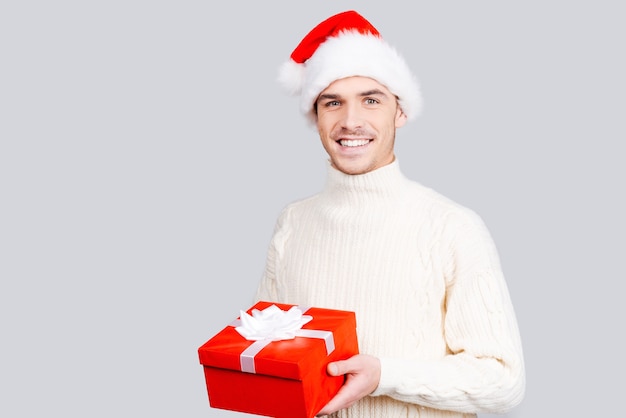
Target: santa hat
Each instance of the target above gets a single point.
(346, 45)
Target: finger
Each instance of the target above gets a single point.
(337, 368)
(341, 400)
(333, 369)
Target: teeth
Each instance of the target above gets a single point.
(353, 142)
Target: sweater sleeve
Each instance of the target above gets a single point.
(483, 369)
(267, 289)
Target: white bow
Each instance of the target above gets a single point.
(272, 323)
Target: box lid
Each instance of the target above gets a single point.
(292, 359)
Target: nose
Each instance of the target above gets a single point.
(352, 116)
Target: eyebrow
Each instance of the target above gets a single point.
(373, 92)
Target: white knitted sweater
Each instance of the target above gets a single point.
(423, 276)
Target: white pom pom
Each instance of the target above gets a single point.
(291, 77)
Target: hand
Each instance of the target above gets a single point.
(362, 376)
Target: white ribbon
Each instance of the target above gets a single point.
(274, 324)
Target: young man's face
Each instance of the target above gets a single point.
(357, 119)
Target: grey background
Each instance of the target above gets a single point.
(146, 151)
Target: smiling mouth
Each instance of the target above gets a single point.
(353, 142)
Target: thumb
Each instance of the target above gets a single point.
(336, 368)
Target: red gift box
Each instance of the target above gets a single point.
(285, 379)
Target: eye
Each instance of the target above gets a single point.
(370, 100)
(332, 103)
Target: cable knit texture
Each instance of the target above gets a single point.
(423, 276)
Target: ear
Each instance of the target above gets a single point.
(400, 117)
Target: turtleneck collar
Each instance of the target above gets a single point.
(385, 182)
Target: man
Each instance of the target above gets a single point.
(436, 326)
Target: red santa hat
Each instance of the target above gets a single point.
(346, 45)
